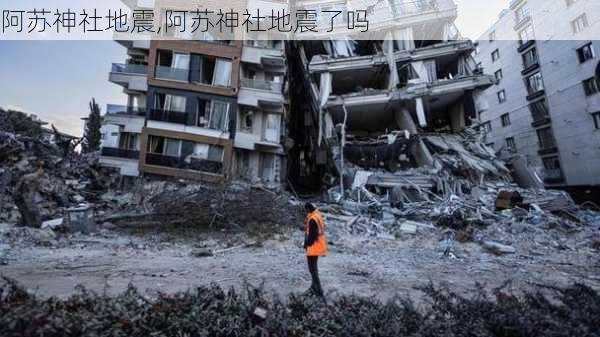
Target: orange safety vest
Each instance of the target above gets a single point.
(319, 247)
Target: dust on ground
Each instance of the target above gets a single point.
(158, 260)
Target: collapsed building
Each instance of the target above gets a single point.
(382, 112)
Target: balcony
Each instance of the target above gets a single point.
(162, 115)
(113, 109)
(119, 153)
(134, 69)
(172, 74)
(539, 120)
(261, 85)
(130, 76)
(534, 93)
(553, 176)
(190, 163)
(264, 55)
(524, 45)
(548, 147)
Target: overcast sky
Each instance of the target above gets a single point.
(56, 80)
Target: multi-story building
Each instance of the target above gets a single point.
(379, 98)
(198, 107)
(546, 103)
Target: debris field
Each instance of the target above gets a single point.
(461, 224)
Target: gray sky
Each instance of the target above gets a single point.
(476, 16)
(56, 80)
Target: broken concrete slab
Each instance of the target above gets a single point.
(498, 248)
(52, 224)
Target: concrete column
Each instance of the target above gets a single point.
(421, 154)
(457, 117)
(405, 120)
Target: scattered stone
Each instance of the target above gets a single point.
(498, 248)
(260, 313)
(202, 252)
(52, 224)
(408, 228)
(108, 225)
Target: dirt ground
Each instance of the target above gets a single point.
(162, 262)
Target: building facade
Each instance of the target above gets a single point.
(198, 107)
(545, 105)
(370, 104)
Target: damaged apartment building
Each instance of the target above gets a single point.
(199, 106)
(380, 105)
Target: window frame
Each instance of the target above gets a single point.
(503, 93)
(591, 86)
(495, 55)
(596, 119)
(505, 119)
(582, 56)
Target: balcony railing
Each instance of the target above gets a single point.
(136, 69)
(191, 163)
(169, 73)
(119, 153)
(554, 176)
(261, 85)
(125, 109)
(162, 115)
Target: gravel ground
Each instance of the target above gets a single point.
(110, 260)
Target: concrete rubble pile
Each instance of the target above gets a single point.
(40, 178)
(233, 205)
(468, 194)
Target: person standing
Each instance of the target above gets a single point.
(315, 245)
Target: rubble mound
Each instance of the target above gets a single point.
(230, 205)
(211, 311)
(41, 175)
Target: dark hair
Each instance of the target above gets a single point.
(310, 207)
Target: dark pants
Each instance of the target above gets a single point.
(314, 273)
